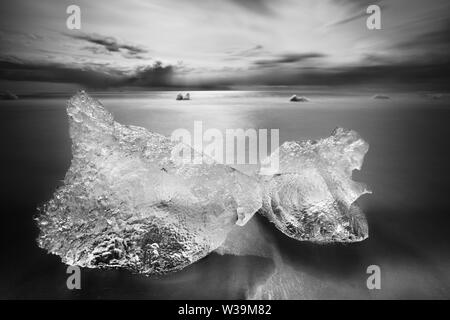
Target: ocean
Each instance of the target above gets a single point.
(407, 168)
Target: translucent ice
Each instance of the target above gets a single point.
(312, 197)
(128, 202)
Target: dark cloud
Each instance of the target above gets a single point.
(149, 76)
(418, 74)
(97, 50)
(90, 75)
(108, 44)
(438, 39)
(424, 63)
(288, 58)
(263, 7)
(434, 75)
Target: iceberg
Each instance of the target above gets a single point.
(180, 96)
(295, 98)
(381, 97)
(129, 201)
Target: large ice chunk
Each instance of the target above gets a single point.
(128, 202)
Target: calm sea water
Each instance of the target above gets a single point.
(407, 167)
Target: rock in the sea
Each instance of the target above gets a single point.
(128, 202)
(312, 196)
(295, 98)
(381, 97)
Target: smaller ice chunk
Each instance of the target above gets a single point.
(381, 97)
(295, 98)
(312, 197)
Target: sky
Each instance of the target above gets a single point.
(148, 44)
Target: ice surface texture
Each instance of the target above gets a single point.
(312, 197)
(127, 202)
